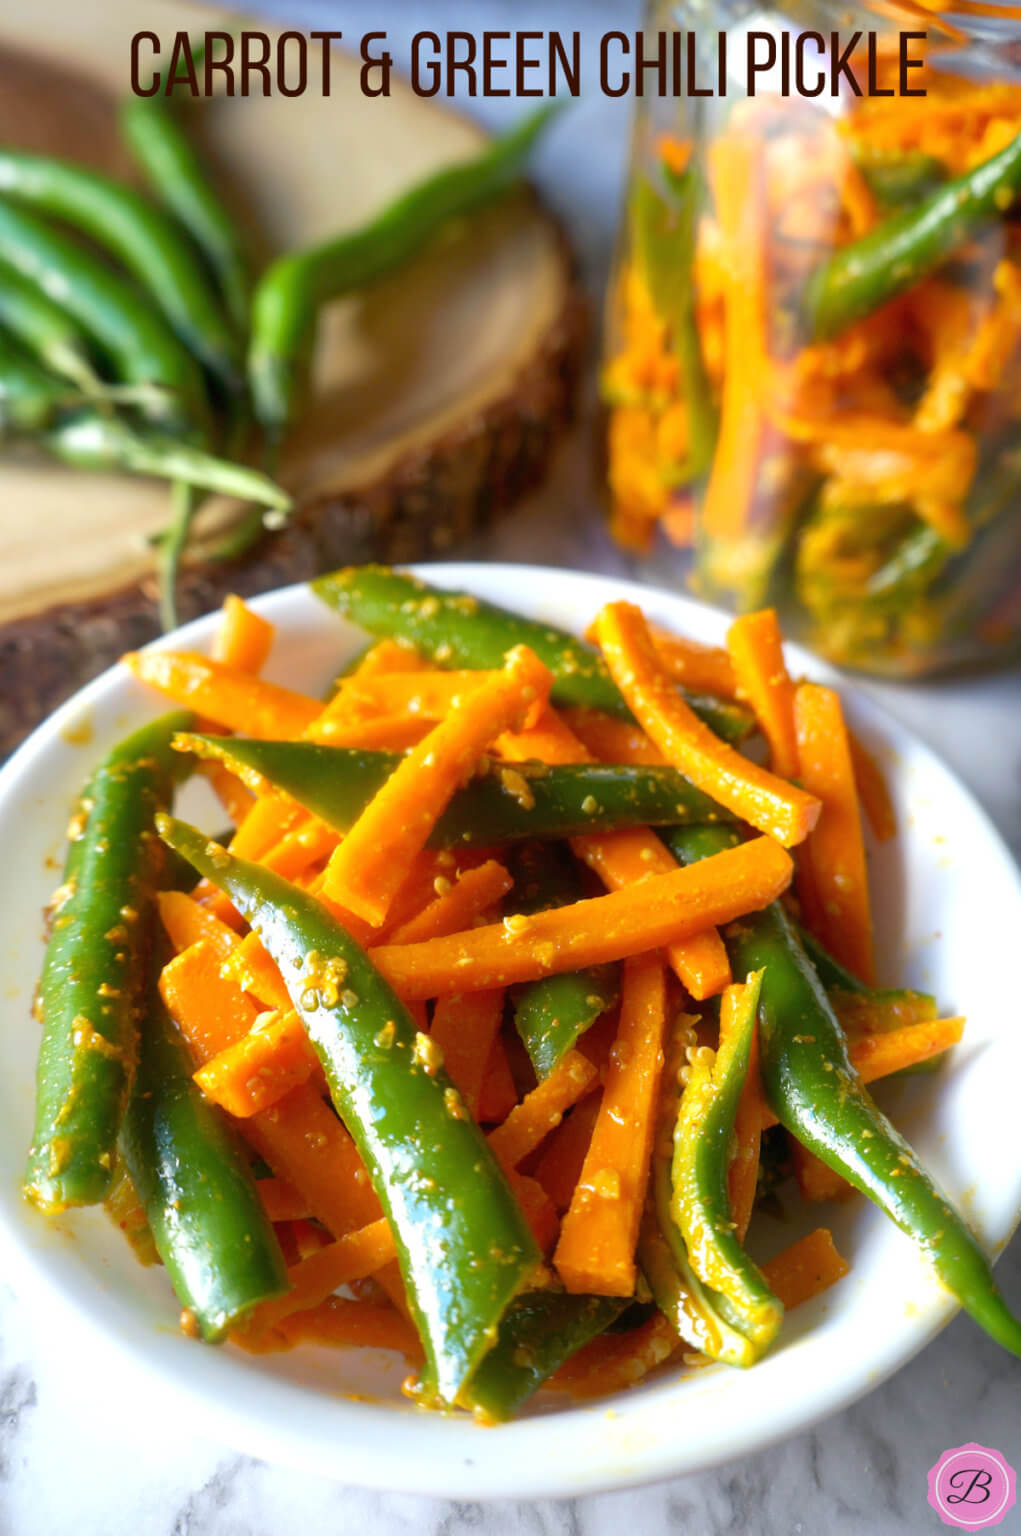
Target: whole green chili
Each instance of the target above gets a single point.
(464, 1246)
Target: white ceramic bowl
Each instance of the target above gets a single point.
(948, 910)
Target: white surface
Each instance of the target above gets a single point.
(936, 890)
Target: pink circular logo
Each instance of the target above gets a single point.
(971, 1487)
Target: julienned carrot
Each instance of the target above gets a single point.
(743, 1174)
(307, 843)
(816, 1180)
(700, 668)
(236, 799)
(767, 802)
(805, 1268)
(622, 858)
(258, 1070)
(596, 1251)
(377, 733)
(243, 639)
(657, 912)
(873, 793)
(340, 1323)
(463, 1031)
(876, 1056)
(271, 818)
(756, 649)
(498, 1095)
(539, 1210)
(186, 922)
(542, 1110)
(559, 1168)
(210, 1010)
(367, 869)
(429, 695)
(472, 893)
(834, 889)
(738, 175)
(256, 973)
(281, 1201)
(351, 1257)
(232, 698)
(388, 655)
(615, 1361)
(611, 740)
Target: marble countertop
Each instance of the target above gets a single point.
(86, 1449)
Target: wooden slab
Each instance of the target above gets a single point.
(439, 394)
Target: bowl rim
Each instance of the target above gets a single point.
(449, 1456)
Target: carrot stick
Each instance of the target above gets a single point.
(348, 1258)
(209, 1009)
(271, 818)
(472, 893)
(235, 798)
(302, 846)
(873, 794)
(538, 1208)
(610, 740)
(429, 695)
(280, 1200)
(186, 922)
(389, 655)
(256, 1071)
(596, 1251)
(738, 177)
(756, 649)
(743, 1174)
(367, 869)
(498, 1095)
(614, 1361)
(876, 1056)
(559, 1168)
(816, 1180)
(256, 972)
(383, 733)
(230, 697)
(805, 1268)
(657, 912)
(464, 1029)
(340, 1323)
(702, 668)
(768, 803)
(243, 640)
(542, 1110)
(835, 891)
(622, 858)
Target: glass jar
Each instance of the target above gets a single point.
(813, 358)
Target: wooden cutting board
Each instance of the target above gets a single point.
(438, 395)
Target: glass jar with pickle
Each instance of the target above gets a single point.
(813, 362)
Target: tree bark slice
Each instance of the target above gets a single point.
(439, 394)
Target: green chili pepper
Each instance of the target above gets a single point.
(30, 398)
(90, 988)
(505, 803)
(897, 177)
(664, 233)
(46, 330)
(839, 981)
(90, 440)
(294, 287)
(700, 1204)
(141, 237)
(693, 1308)
(539, 1332)
(464, 1247)
(552, 1013)
(197, 1190)
(860, 277)
(816, 1094)
(159, 143)
(455, 629)
(143, 348)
